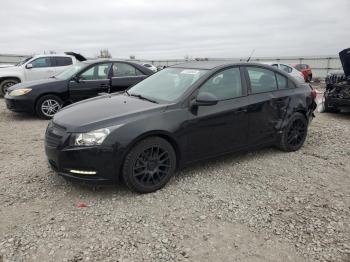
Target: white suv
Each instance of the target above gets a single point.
(36, 67)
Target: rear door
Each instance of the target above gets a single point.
(95, 79)
(42, 68)
(267, 104)
(61, 63)
(125, 75)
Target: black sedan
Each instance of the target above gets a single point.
(81, 81)
(179, 115)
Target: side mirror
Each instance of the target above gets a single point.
(29, 66)
(205, 99)
(76, 79)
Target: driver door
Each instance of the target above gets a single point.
(41, 68)
(223, 127)
(94, 80)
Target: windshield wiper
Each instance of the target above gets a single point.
(142, 97)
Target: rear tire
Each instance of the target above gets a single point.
(149, 165)
(47, 106)
(4, 85)
(295, 133)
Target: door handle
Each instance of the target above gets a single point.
(103, 85)
(241, 110)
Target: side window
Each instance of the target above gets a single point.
(224, 85)
(261, 80)
(286, 68)
(63, 61)
(41, 62)
(122, 69)
(97, 72)
(282, 81)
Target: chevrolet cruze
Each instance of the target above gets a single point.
(182, 114)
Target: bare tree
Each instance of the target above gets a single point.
(104, 53)
(132, 57)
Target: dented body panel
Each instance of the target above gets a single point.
(337, 94)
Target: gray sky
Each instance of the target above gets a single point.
(162, 29)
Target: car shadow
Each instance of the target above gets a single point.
(198, 167)
(13, 116)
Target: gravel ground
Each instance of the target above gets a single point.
(261, 206)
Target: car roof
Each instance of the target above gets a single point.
(91, 61)
(46, 55)
(208, 65)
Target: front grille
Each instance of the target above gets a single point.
(54, 134)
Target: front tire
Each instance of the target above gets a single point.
(47, 106)
(149, 165)
(295, 133)
(6, 84)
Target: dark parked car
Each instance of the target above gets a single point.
(179, 115)
(81, 81)
(337, 94)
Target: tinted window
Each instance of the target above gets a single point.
(121, 69)
(96, 72)
(282, 81)
(261, 80)
(63, 61)
(224, 85)
(285, 68)
(41, 62)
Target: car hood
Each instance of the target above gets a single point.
(104, 111)
(8, 71)
(345, 60)
(6, 65)
(37, 84)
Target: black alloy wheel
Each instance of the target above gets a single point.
(295, 133)
(149, 165)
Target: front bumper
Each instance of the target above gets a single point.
(67, 160)
(19, 103)
(338, 102)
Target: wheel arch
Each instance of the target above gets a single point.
(3, 78)
(154, 133)
(46, 94)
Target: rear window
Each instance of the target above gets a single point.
(282, 81)
(63, 61)
(261, 80)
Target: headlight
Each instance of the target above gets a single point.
(20, 92)
(92, 138)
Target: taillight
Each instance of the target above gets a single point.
(313, 93)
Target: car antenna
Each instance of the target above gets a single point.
(251, 54)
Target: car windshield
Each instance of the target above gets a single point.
(168, 84)
(69, 72)
(23, 61)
